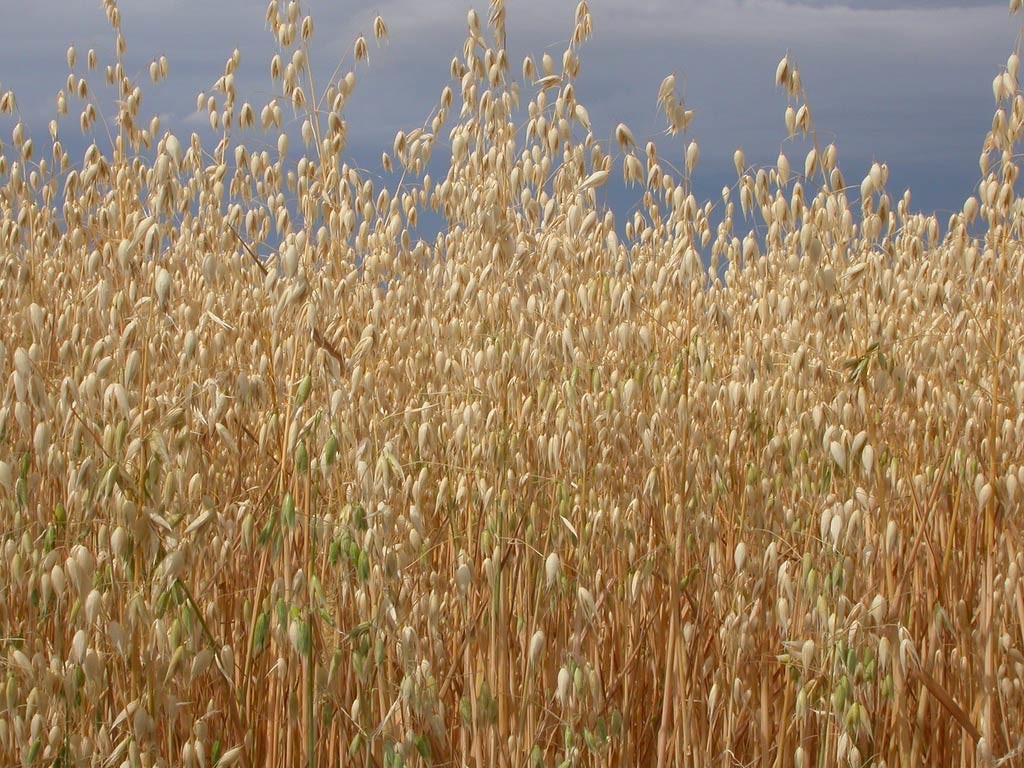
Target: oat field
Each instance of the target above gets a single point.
(733, 482)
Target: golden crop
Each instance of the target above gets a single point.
(730, 482)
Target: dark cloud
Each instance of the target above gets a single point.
(899, 5)
(905, 86)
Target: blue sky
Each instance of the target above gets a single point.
(907, 82)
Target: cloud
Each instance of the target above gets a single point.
(899, 5)
(886, 79)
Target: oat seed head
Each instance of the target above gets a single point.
(281, 475)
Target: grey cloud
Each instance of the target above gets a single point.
(904, 86)
(898, 5)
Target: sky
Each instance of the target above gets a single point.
(906, 82)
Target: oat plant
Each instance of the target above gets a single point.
(285, 481)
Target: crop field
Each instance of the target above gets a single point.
(726, 482)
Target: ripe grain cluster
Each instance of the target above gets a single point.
(729, 482)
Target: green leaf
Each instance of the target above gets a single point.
(267, 531)
(330, 450)
(363, 566)
(423, 747)
(302, 393)
(305, 642)
(260, 634)
(334, 553)
(354, 745)
(288, 510)
(282, 615)
(359, 516)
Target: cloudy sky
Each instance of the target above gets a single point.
(907, 82)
